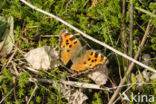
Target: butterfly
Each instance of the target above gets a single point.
(76, 57)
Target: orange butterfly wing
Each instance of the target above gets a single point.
(90, 60)
(68, 43)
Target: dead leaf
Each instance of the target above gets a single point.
(7, 36)
(3, 23)
(99, 76)
(72, 95)
(153, 77)
(41, 58)
(146, 59)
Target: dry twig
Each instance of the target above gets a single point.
(123, 31)
(9, 60)
(131, 30)
(70, 83)
(131, 33)
(15, 97)
(32, 93)
(6, 95)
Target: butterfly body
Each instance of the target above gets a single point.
(81, 58)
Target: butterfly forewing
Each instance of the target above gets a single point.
(68, 43)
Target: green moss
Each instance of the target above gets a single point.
(23, 79)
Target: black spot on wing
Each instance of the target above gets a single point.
(66, 34)
(96, 54)
(67, 40)
(75, 42)
(70, 46)
(101, 58)
(72, 38)
(68, 50)
(67, 43)
(91, 53)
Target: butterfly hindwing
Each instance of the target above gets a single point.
(88, 61)
(95, 58)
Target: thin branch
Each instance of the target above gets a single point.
(10, 58)
(131, 30)
(15, 97)
(85, 3)
(15, 69)
(131, 35)
(123, 31)
(32, 70)
(132, 63)
(71, 83)
(147, 12)
(83, 85)
(55, 36)
(89, 37)
(32, 94)
(6, 95)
